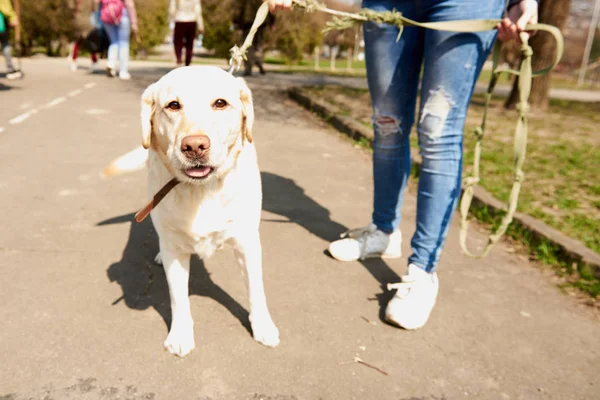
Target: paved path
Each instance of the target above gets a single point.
(85, 310)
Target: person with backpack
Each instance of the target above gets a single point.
(187, 15)
(120, 19)
(8, 18)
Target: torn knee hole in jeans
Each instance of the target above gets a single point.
(386, 124)
(435, 112)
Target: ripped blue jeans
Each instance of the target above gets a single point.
(450, 64)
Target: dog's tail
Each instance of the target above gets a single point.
(133, 161)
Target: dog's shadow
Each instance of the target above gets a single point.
(144, 283)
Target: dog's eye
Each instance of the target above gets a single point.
(220, 103)
(174, 105)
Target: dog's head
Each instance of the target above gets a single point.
(197, 115)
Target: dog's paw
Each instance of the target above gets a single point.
(158, 259)
(265, 332)
(180, 342)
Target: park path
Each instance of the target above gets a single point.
(85, 310)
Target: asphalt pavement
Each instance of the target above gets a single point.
(85, 309)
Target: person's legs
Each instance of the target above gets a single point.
(392, 72)
(452, 63)
(7, 50)
(190, 35)
(249, 61)
(178, 41)
(74, 54)
(259, 44)
(75, 51)
(113, 49)
(94, 65)
(124, 33)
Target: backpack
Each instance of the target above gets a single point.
(111, 11)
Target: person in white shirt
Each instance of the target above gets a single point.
(187, 15)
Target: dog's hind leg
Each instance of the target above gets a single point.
(249, 254)
(180, 340)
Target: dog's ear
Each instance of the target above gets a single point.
(147, 114)
(247, 111)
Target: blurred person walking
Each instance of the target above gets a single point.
(8, 18)
(120, 20)
(246, 11)
(187, 15)
(79, 37)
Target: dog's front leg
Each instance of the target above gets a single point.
(180, 340)
(249, 254)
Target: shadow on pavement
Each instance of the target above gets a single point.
(4, 87)
(284, 197)
(143, 281)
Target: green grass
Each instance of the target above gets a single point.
(561, 184)
(359, 69)
(324, 63)
(558, 81)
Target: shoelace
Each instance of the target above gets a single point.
(403, 287)
(357, 232)
(362, 236)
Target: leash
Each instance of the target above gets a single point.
(525, 75)
(344, 20)
(162, 155)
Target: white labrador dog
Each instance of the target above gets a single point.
(197, 123)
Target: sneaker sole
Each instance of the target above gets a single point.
(383, 256)
(14, 75)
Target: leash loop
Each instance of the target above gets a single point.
(525, 75)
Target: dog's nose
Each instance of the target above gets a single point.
(195, 146)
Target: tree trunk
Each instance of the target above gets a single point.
(552, 12)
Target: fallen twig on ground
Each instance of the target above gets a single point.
(358, 360)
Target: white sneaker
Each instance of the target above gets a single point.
(124, 76)
(72, 65)
(110, 71)
(414, 299)
(94, 67)
(12, 75)
(367, 242)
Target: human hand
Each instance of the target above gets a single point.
(14, 22)
(518, 16)
(136, 34)
(275, 5)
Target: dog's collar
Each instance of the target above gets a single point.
(144, 212)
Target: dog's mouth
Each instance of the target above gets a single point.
(199, 172)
